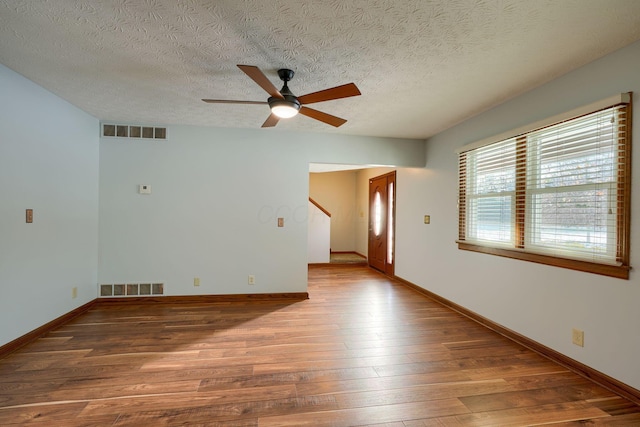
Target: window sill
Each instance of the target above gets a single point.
(617, 271)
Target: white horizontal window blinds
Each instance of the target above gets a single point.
(572, 181)
(561, 191)
(490, 193)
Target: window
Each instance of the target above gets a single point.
(377, 214)
(558, 195)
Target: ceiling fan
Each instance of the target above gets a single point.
(284, 104)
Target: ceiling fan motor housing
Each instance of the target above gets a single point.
(289, 101)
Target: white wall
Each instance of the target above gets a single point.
(319, 236)
(541, 302)
(48, 163)
(216, 194)
(336, 192)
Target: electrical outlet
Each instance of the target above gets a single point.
(74, 292)
(252, 279)
(196, 281)
(577, 337)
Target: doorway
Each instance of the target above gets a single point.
(382, 209)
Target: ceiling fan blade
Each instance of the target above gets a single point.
(230, 101)
(337, 92)
(271, 121)
(258, 76)
(323, 117)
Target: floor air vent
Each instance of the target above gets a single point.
(131, 289)
(135, 131)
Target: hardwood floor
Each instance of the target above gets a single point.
(362, 351)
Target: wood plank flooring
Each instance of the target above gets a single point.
(362, 351)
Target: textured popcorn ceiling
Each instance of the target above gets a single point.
(422, 65)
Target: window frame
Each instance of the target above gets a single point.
(522, 204)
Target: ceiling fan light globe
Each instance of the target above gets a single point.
(284, 111)
(284, 108)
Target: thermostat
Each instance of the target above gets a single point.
(144, 189)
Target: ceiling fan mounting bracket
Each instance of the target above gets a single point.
(285, 74)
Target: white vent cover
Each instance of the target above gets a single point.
(130, 289)
(133, 131)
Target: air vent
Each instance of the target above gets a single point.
(133, 131)
(131, 289)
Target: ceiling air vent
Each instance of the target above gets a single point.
(133, 131)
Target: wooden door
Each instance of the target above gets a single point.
(381, 222)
